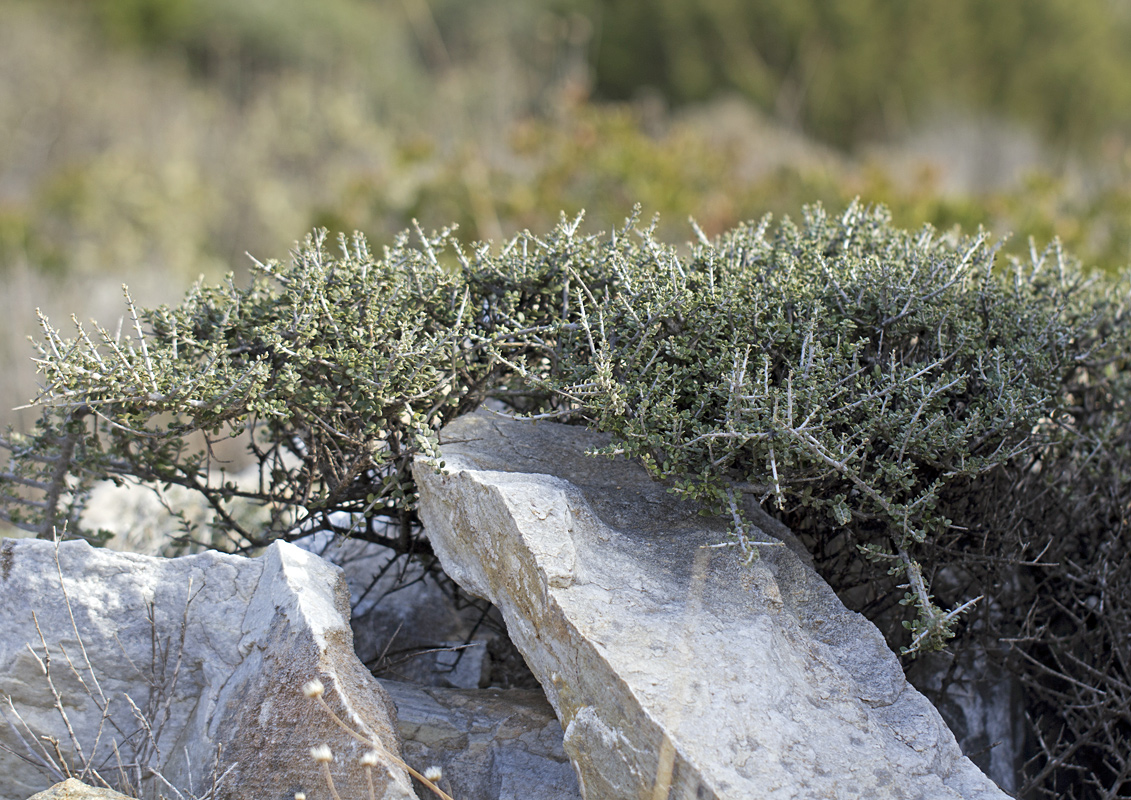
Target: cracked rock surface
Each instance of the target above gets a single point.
(675, 670)
(213, 650)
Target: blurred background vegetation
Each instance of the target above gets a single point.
(152, 141)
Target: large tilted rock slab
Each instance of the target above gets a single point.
(214, 651)
(675, 671)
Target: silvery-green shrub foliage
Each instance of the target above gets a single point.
(843, 366)
(918, 407)
(840, 366)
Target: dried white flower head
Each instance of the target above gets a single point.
(433, 774)
(313, 689)
(322, 754)
(370, 759)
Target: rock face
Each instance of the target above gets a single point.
(73, 789)
(675, 671)
(492, 744)
(212, 649)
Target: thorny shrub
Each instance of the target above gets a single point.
(955, 417)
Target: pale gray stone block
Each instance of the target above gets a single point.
(74, 789)
(213, 648)
(676, 671)
(492, 744)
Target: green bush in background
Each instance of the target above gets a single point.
(422, 110)
(842, 71)
(847, 72)
(279, 131)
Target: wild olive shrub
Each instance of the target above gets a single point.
(845, 367)
(928, 416)
(961, 421)
(338, 368)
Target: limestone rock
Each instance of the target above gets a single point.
(212, 649)
(675, 670)
(491, 744)
(73, 789)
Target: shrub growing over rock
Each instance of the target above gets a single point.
(916, 408)
(845, 367)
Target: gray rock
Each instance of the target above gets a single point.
(73, 789)
(675, 670)
(491, 744)
(212, 649)
(404, 626)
